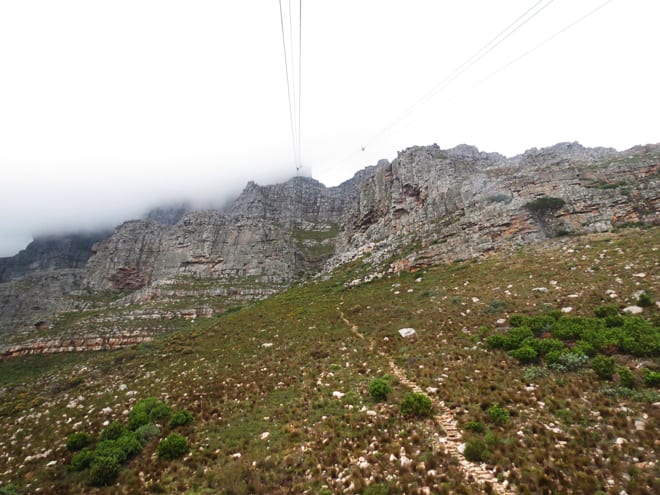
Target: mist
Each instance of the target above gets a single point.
(106, 196)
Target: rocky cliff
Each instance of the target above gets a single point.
(428, 205)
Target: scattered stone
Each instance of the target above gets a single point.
(639, 275)
(264, 435)
(338, 394)
(540, 289)
(407, 332)
(267, 344)
(633, 310)
(566, 309)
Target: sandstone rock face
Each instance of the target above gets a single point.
(439, 205)
(461, 203)
(51, 252)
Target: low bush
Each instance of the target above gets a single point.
(130, 443)
(606, 310)
(534, 373)
(147, 411)
(113, 431)
(110, 448)
(78, 441)
(475, 426)
(604, 366)
(475, 450)
(415, 404)
(565, 361)
(172, 447)
(644, 300)
(181, 418)
(498, 414)
(147, 432)
(517, 320)
(626, 377)
(81, 460)
(379, 389)
(525, 354)
(651, 378)
(103, 471)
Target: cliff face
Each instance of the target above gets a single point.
(51, 252)
(429, 205)
(461, 203)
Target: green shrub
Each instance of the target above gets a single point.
(517, 320)
(78, 441)
(604, 366)
(110, 448)
(644, 300)
(113, 431)
(147, 411)
(172, 447)
(544, 346)
(626, 377)
(565, 361)
(540, 324)
(379, 389)
(130, 444)
(81, 460)
(525, 354)
(545, 205)
(583, 347)
(181, 418)
(495, 342)
(498, 414)
(614, 321)
(415, 404)
(534, 373)
(606, 310)
(651, 378)
(515, 337)
(148, 432)
(103, 471)
(475, 426)
(639, 337)
(475, 450)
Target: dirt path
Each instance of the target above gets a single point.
(451, 443)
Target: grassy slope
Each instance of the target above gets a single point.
(561, 437)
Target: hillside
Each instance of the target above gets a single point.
(270, 341)
(279, 389)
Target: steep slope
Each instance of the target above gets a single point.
(428, 206)
(280, 390)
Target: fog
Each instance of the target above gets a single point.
(110, 108)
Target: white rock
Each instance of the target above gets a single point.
(432, 390)
(123, 387)
(51, 463)
(407, 332)
(338, 394)
(475, 299)
(371, 413)
(633, 310)
(267, 344)
(620, 441)
(237, 455)
(106, 410)
(540, 289)
(501, 321)
(639, 275)
(566, 309)
(264, 435)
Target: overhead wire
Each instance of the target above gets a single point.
(518, 58)
(466, 65)
(288, 88)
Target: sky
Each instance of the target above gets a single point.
(110, 108)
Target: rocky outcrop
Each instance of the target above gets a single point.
(51, 252)
(460, 203)
(429, 205)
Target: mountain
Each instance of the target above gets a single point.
(428, 206)
(451, 322)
